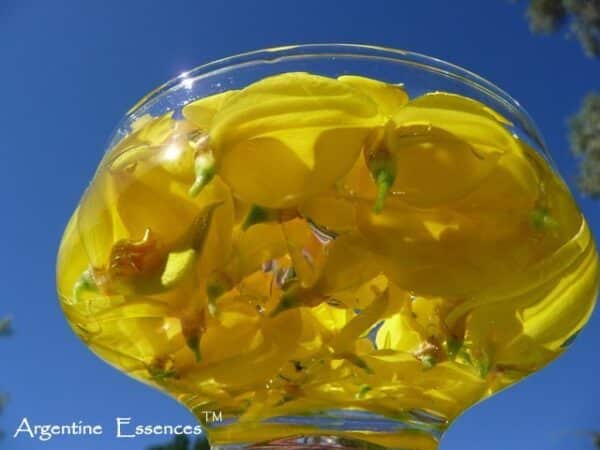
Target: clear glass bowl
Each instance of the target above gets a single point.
(312, 319)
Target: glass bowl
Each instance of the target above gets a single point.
(327, 246)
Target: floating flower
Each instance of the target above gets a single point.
(288, 136)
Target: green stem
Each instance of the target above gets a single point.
(384, 181)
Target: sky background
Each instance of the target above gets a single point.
(69, 71)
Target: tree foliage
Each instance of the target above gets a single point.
(585, 143)
(582, 17)
(5, 329)
(596, 439)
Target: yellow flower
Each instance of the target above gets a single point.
(433, 166)
(462, 190)
(438, 148)
(288, 136)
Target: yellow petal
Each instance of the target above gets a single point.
(349, 264)
(72, 260)
(456, 102)
(98, 221)
(258, 245)
(389, 97)
(290, 101)
(434, 166)
(177, 266)
(468, 119)
(513, 183)
(308, 254)
(567, 307)
(145, 131)
(201, 112)
(397, 334)
(330, 212)
(156, 130)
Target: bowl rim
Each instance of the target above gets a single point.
(271, 55)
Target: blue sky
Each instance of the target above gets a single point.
(70, 69)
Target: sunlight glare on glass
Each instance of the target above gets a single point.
(172, 152)
(186, 81)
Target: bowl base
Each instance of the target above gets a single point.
(306, 443)
(332, 429)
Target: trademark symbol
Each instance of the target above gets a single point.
(212, 416)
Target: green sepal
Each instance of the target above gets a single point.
(383, 170)
(453, 346)
(193, 343)
(542, 220)
(484, 364)
(257, 214)
(214, 289)
(205, 169)
(85, 282)
(358, 362)
(384, 182)
(362, 391)
(288, 300)
(428, 361)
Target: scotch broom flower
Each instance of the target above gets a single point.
(286, 137)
